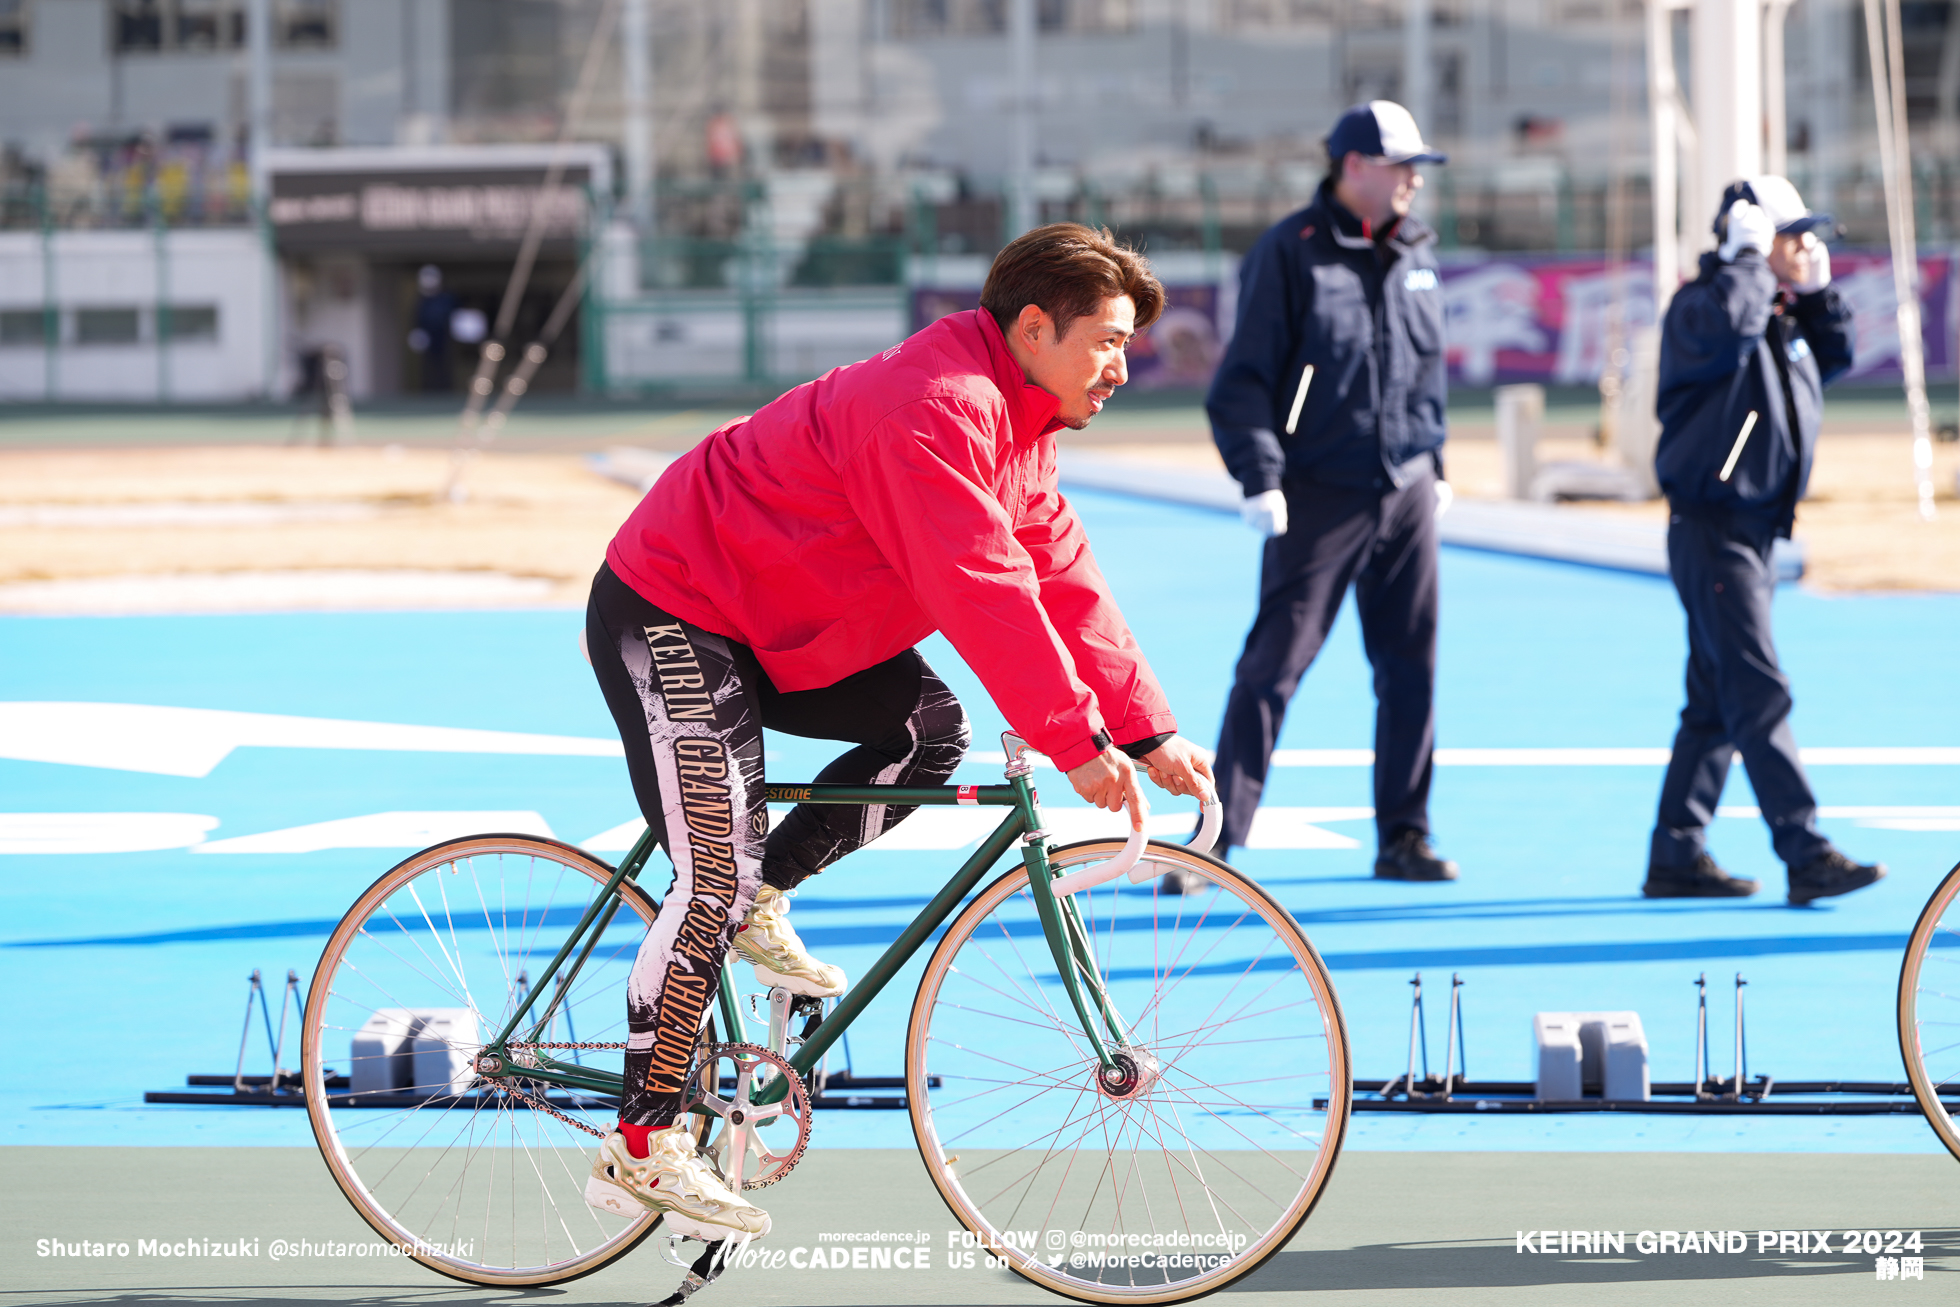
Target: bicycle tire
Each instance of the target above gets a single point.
(424, 1175)
(1228, 957)
(1935, 1003)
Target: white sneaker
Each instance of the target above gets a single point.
(768, 940)
(671, 1180)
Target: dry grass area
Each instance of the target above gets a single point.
(529, 514)
(547, 515)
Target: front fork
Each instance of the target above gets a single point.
(1061, 922)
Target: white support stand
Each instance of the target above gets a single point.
(1576, 1049)
(1520, 414)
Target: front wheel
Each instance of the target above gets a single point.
(1202, 1154)
(1929, 1008)
(474, 1182)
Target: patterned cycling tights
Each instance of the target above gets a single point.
(691, 707)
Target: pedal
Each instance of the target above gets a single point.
(609, 1197)
(703, 1272)
(804, 1005)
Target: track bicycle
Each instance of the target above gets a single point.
(1156, 1083)
(1929, 1009)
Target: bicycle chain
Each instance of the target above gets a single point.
(540, 1105)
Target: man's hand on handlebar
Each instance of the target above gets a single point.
(1109, 780)
(1181, 767)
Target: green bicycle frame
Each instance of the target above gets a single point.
(1061, 925)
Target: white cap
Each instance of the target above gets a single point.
(1381, 129)
(1775, 196)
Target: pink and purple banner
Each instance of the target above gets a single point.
(1546, 319)
(1543, 318)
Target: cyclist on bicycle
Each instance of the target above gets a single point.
(779, 574)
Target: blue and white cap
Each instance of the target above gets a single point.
(1775, 196)
(1381, 129)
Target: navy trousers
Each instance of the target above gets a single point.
(1385, 546)
(1738, 698)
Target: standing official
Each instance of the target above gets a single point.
(1329, 411)
(1746, 351)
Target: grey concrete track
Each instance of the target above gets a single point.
(1393, 1229)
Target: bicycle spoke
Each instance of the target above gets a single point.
(461, 1164)
(1216, 1136)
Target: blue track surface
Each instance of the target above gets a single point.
(128, 971)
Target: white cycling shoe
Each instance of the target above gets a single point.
(768, 941)
(673, 1181)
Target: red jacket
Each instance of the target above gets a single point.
(912, 492)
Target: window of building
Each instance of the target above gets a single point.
(192, 26)
(154, 26)
(306, 24)
(208, 25)
(188, 322)
(917, 18)
(13, 27)
(108, 326)
(1275, 15)
(21, 327)
(137, 25)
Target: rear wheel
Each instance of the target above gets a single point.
(466, 1178)
(1202, 1154)
(1929, 1009)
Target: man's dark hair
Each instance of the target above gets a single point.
(1067, 270)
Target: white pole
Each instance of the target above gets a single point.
(1895, 160)
(1662, 97)
(1776, 122)
(1416, 72)
(637, 130)
(1727, 78)
(258, 77)
(1020, 161)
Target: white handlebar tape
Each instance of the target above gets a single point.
(1131, 861)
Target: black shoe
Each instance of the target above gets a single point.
(1700, 880)
(1409, 857)
(1831, 873)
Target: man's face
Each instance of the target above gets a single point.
(1378, 190)
(1790, 257)
(1086, 364)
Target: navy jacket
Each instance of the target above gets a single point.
(1368, 316)
(1732, 345)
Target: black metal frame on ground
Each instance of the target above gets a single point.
(1736, 1095)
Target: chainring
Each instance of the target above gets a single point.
(737, 1142)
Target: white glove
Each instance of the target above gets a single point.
(1820, 265)
(1750, 228)
(1265, 512)
(1445, 496)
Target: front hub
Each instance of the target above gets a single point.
(1131, 1072)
